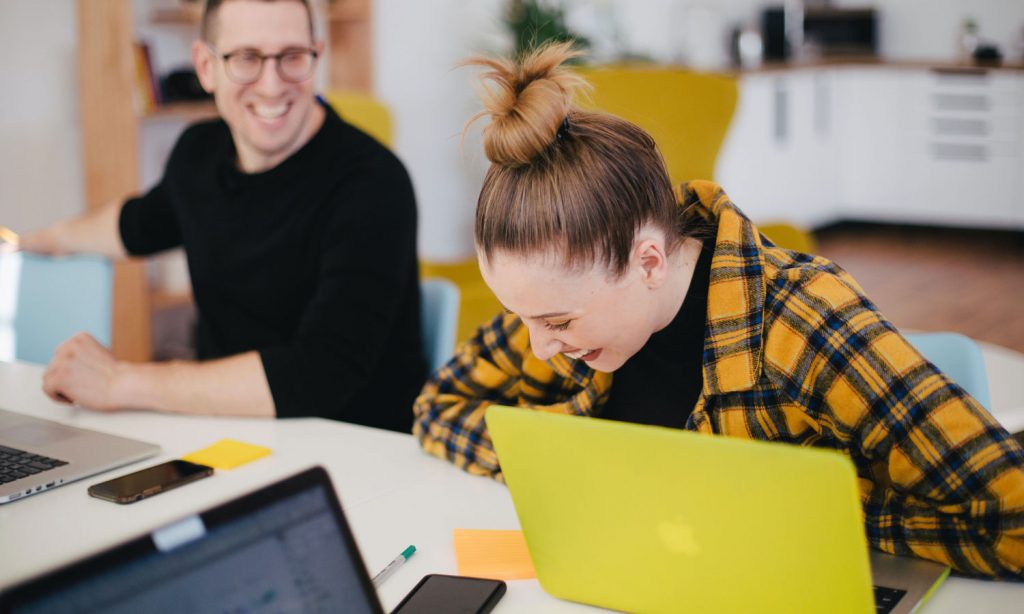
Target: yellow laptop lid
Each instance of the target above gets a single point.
(650, 519)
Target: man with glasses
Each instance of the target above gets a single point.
(300, 233)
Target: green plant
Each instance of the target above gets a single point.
(535, 22)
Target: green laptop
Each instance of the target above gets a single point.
(650, 519)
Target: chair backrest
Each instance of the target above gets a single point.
(957, 356)
(687, 113)
(439, 308)
(364, 112)
(789, 236)
(44, 300)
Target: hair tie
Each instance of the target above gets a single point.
(563, 130)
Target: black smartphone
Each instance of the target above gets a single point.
(150, 481)
(441, 593)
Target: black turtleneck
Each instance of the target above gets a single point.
(661, 383)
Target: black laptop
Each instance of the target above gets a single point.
(283, 548)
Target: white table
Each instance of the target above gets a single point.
(393, 494)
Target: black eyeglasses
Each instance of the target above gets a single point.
(245, 66)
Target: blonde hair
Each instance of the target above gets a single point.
(581, 182)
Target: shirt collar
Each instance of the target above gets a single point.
(733, 341)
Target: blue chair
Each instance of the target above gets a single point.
(957, 356)
(440, 318)
(44, 300)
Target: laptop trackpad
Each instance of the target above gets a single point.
(37, 434)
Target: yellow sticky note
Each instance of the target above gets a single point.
(227, 454)
(501, 555)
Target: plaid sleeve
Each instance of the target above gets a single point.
(940, 478)
(497, 366)
(449, 413)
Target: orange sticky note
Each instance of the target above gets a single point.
(501, 555)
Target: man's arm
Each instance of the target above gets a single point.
(96, 232)
(85, 373)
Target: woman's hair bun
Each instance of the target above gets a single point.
(527, 100)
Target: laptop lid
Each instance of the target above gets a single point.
(283, 548)
(651, 519)
(38, 454)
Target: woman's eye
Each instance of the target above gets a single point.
(559, 326)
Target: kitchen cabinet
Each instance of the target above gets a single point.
(909, 144)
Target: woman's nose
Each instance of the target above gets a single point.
(544, 343)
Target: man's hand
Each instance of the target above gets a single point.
(83, 372)
(96, 232)
(43, 241)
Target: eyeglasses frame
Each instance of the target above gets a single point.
(226, 57)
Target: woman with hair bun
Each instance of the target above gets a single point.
(630, 300)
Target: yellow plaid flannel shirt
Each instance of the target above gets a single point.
(794, 352)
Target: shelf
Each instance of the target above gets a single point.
(186, 14)
(348, 11)
(192, 13)
(168, 299)
(190, 111)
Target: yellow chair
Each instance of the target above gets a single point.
(790, 237)
(687, 113)
(364, 112)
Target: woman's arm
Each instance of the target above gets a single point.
(449, 413)
(940, 478)
(497, 366)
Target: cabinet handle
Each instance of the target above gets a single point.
(959, 71)
(960, 102)
(781, 112)
(960, 152)
(948, 126)
(822, 108)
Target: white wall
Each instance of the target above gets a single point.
(40, 148)
(416, 48)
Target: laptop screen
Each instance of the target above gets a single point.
(282, 549)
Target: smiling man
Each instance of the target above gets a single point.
(300, 233)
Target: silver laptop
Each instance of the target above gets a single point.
(36, 454)
(902, 584)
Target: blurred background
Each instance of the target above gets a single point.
(886, 135)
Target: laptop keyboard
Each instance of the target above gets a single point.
(17, 464)
(887, 598)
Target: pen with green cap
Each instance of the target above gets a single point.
(393, 565)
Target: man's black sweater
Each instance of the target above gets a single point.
(312, 263)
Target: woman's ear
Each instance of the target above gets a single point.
(650, 260)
